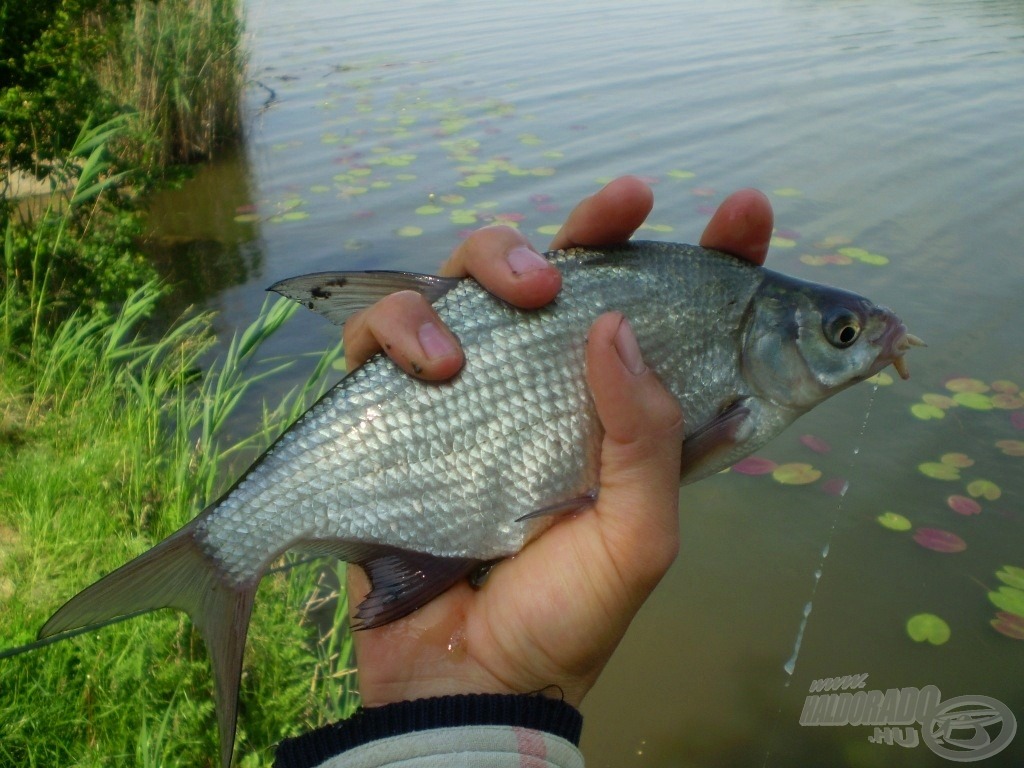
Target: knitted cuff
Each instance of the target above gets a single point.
(532, 711)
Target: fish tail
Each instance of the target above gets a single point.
(176, 574)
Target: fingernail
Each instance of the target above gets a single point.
(523, 260)
(434, 341)
(628, 349)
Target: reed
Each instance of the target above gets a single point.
(180, 65)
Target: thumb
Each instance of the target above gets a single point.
(640, 455)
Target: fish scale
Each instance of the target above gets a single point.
(421, 483)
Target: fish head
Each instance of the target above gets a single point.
(803, 342)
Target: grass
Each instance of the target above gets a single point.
(110, 440)
(181, 67)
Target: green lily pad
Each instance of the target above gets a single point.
(549, 229)
(787, 192)
(1008, 599)
(679, 174)
(927, 412)
(1011, 575)
(409, 231)
(974, 400)
(939, 471)
(894, 522)
(986, 489)
(294, 216)
(429, 210)
(927, 627)
(247, 218)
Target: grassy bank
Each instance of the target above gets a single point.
(111, 433)
(108, 442)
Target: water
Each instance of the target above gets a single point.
(896, 129)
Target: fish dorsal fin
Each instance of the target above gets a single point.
(337, 295)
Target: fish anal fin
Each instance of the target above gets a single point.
(562, 507)
(338, 295)
(401, 580)
(176, 574)
(714, 437)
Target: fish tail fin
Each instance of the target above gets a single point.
(176, 574)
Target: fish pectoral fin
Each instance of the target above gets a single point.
(562, 507)
(719, 434)
(402, 581)
(338, 295)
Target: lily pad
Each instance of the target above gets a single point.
(939, 401)
(926, 412)
(782, 242)
(939, 541)
(1011, 575)
(816, 444)
(1009, 624)
(1004, 386)
(549, 229)
(754, 465)
(927, 627)
(796, 473)
(939, 471)
(247, 218)
(677, 174)
(1008, 599)
(882, 379)
(964, 384)
(986, 489)
(974, 400)
(959, 460)
(294, 215)
(429, 210)
(894, 522)
(963, 505)
(1006, 401)
(787, 192)
(409, 231)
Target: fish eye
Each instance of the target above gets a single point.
(842, 328)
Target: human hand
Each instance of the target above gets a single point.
(552, 615)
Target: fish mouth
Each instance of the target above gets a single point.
(895, 341)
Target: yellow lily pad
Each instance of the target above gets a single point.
(961, 460)
(549, 229)
(787, 192)
(939, 401)
(1009, 447)
(796, 473)
(964, 384)
(409, 231)
(882, 379)
(986, 489)
(894, 522)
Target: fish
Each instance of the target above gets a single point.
(424, 484)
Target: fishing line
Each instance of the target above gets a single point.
(790, 665)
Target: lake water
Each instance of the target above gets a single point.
(890, 138)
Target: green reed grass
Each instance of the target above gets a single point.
(110, 439)
(181, 66)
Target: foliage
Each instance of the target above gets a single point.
(81, 492)
(77, 252)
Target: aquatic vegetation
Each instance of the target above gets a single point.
(928, 628)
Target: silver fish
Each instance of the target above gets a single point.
(421, 484)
